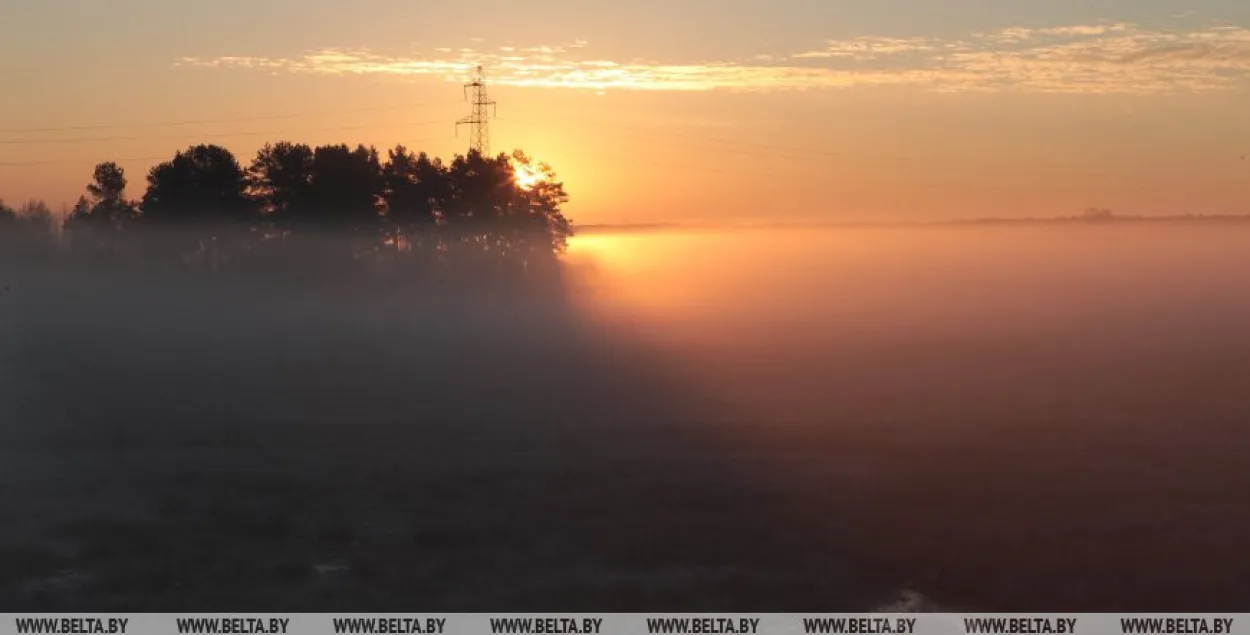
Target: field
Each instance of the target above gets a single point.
(1001, 419)
(240, 447)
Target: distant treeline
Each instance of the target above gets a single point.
(333, 206)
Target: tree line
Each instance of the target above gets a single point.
(334, 204)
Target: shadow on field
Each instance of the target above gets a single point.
(184, 443)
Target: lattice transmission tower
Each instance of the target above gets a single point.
(479, 119)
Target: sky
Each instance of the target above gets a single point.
(661, 111)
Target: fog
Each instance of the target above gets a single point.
(1019, 417)
(1026, 417)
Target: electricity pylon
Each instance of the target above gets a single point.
(479, 119)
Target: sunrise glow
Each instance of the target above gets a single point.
(808, 112)
(527, 177)
(809, 310)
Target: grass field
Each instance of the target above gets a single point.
(1014, 419)
(181, 447)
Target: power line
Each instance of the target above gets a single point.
(769, 176)
(775, 177)
(85, 161)
(780, 176)
(667, 134)
(756, 171)
(6, 164)
(804, 152)
(193, 122)
(638, 132)
(209, 135)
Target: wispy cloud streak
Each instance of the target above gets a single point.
(1098, 58)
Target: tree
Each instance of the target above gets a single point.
(475, 208)
(280, 178)
(202, 186)
(97, 219)
(346, 190)
(108, 191)
(497, 219)
(544, 198)
(27, 230)
(199, 195)
(107, 208)
(109, 182)
(1098, 214)
(415, 191)
(8, 216)
(79, 212)
(334, 191)
(415, 187)
(10, 230)
(32, 217)
(481, 188)
(329, 187)
(37, 217)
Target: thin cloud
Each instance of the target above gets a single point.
(1094, 58)
(546, 71)
(871, 48)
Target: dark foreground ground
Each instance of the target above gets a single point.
(179, 446)
(1014, 421)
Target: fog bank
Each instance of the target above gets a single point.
(1005, 418)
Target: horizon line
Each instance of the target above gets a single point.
(730, 225)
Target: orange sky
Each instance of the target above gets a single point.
(793, 110)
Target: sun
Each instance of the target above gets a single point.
(527, 177)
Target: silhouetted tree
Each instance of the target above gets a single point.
(415, 186)
(546, 227)
(346, 190)
(26, 231)
(37, 217)
(10, 232)
(79, 212)
(480, 188)
(94, 225)
(201, 196)
(1098, 214)
(202, 186)
(8, 216)
(324, 193)
(497, 219)
(280, 178)
(330, 187)
(108, 192)
(295, 199)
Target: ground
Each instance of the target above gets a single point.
(177, 448)
(1015, 420)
